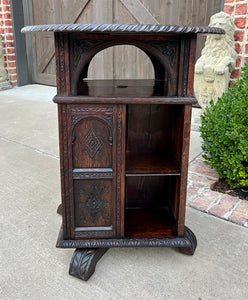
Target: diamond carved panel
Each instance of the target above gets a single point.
(94, 202)
(92, 144)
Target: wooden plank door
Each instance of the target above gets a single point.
(119, 61)
(64, 11)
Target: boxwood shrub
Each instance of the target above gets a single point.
(224, 131)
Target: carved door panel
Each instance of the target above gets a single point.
(93, 148)
(93, 208)
(92, 140)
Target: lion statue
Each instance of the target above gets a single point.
(217, 61)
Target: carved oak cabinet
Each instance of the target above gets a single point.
(123, 143)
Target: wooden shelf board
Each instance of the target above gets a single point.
(143, 223)
(150, 165)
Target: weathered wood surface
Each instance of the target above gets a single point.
(109, 63)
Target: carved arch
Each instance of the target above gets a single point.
(89, 48)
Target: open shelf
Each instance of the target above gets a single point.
(144, 223)
(124, 88)
(148, 164)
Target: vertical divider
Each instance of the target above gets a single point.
(184, 170)
(120, 169)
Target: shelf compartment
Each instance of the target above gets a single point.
(144, 223)
(145, 165)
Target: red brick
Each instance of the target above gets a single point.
(7, 2)
(7, 16)
(240, 22)
(246, 59)
(241, 9)
(236, 73)
(225, 205)
(9, 37)
(237, 47)
(203, 201)
(5, 8)
(13, 77)
(13, 83)
(192, 191)
(240, 214)
(8, 23)
(238, 61)
(11, 57)
(204, 171)
(11, 71)
(9, 44)
(11, 50)
(229, 1)
(202, 180)
(8, 30)
(228, 9)
(246, 48)
(12, 64)
(239, 35)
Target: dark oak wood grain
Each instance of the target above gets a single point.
(123, 143)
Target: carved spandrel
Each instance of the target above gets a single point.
(169, 51)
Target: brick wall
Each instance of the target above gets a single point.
(6, 31)
(237, 9)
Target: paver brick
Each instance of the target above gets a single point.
(202, 180)
(240, 214)
(225, 204)
(203, 201)
(192, 191)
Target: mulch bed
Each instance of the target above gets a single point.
(222, 186)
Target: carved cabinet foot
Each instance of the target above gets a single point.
(190, 242)
(60, 209)
(84, 261)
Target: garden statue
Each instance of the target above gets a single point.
(218, 59)
(4, 83)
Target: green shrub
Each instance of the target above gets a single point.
(224, 132)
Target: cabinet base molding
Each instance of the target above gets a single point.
(187, 243)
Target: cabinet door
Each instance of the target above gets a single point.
(93, 166)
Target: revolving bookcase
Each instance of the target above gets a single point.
(123, 143)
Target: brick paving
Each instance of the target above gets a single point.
(201, 197)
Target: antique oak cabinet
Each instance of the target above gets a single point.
(123, 143)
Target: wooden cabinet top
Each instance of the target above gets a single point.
(131, 29)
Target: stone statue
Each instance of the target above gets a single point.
(4, 83)
(218, 59)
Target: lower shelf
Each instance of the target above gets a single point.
(142, 223)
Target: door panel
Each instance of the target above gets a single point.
(94, 208)
(92, 143)
(93, 148)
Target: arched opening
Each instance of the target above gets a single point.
(122, 62)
